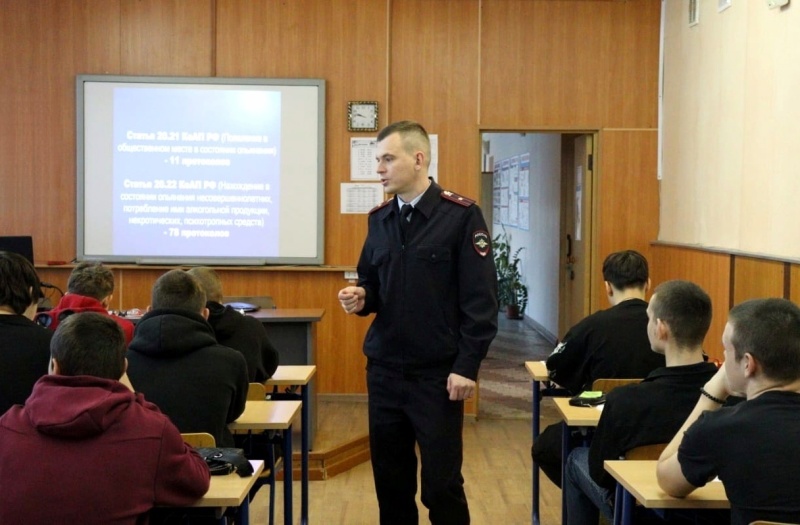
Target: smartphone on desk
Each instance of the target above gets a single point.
(589, 398)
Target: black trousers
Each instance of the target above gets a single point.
(408, 411)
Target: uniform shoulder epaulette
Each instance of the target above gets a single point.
(379, 206)
(458, 199)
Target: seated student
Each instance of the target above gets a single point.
(176, 362)
(650, 412)
(89, 289)
(610, 343)
(240, 332)
(752, 447)
(25, 345)
(84, 448)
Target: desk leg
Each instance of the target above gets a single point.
(565, 450)
(618, 499)
(244, 512)
(537, 400)
(627, 507)
(305, 445)
(287, 476)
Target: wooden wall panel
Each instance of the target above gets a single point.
(343, 42)
(167, 37)
(626, 197)
(458, 66)
(794, 283)
(757, 278)
(711, 271)
(569, 64)
(433, 79)
(43, 45)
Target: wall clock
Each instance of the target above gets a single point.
(362, 116)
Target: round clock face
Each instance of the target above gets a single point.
(363, 116)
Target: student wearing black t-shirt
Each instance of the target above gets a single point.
(752, 447)
(649, 412)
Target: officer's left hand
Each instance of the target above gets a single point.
(460, 387)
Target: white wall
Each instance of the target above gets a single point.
(540, 258)
(730, 128)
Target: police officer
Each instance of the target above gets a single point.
(427, 272)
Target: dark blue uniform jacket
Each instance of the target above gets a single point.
(435, 297)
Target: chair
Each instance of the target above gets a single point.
(256, 392)
(199, 439)
(646, 452)
(606, 385)
(262, 301)
(760, 522)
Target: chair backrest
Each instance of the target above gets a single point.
(606, 385)
(199, 439)
(760, 522)
(262, 301)
(646, 452)
(256, 392)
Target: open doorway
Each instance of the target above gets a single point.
(539, 188)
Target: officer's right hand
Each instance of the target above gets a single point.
(352, 299)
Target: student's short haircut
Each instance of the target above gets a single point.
(626, 269)
(210, 281)
(19, 284)
(91, 279)
(89, 344)
(686, 309)
(413, 135)
(177, 289)
(769, 330)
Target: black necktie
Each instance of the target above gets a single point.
(405, 214)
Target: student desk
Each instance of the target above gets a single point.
(572, 417)
(539, 375)
(289, 375)
(291, 331)
(231, 491)
(274, 415)
(637, 479)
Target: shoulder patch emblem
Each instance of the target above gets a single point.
(458, 199)
(481, 242)
(379, 206)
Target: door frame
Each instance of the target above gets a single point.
(589, 295)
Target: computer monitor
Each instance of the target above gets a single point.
(21, 244)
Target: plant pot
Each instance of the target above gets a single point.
(512, 311)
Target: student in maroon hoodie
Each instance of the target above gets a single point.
(89, 289)
(85, 449)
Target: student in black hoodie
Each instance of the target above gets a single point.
(240, 332)
(176, 362)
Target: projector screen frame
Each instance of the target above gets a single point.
(317, 258)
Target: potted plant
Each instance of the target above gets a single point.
(511, 291)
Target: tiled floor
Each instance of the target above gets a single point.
(505, 386)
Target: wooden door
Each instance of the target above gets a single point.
(576, 231)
